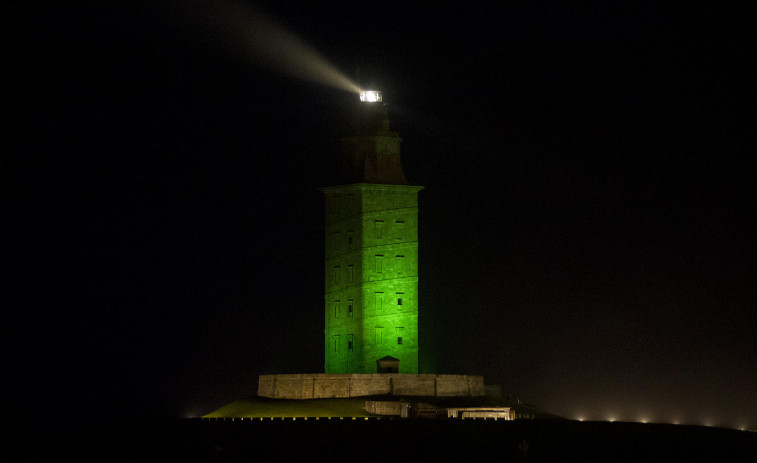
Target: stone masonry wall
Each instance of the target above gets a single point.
(322, 386)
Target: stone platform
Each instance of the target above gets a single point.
(333, 386)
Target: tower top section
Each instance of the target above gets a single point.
(372, 153)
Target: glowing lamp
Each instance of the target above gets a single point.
(370, 96)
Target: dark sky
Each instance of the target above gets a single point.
(587, 226)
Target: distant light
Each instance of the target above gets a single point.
(370, 96)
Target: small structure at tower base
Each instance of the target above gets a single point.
(390, 394)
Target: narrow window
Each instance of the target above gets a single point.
(336, 275)
(379, 229)
(379, 263)
(335, 241)
(399, 262)
(379, 300)
(399, 229)
(399, 333)
(399, 340)
(350, 341)
(350, 302)
(379, 335)
(336, 309)
(349, 238)
(336, 342)
(399, 298)
(350, 273)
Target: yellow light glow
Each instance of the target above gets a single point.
(370, 96)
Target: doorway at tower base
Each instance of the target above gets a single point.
(326, 386)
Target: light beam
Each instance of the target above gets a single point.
(259, 38)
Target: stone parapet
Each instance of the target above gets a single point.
(332, 386)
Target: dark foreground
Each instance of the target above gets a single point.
(392, 440)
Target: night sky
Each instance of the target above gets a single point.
(587, 228)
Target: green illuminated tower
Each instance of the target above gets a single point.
(371, 297)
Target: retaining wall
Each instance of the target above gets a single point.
(327, 386)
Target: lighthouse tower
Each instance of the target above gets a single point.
(371, 287)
